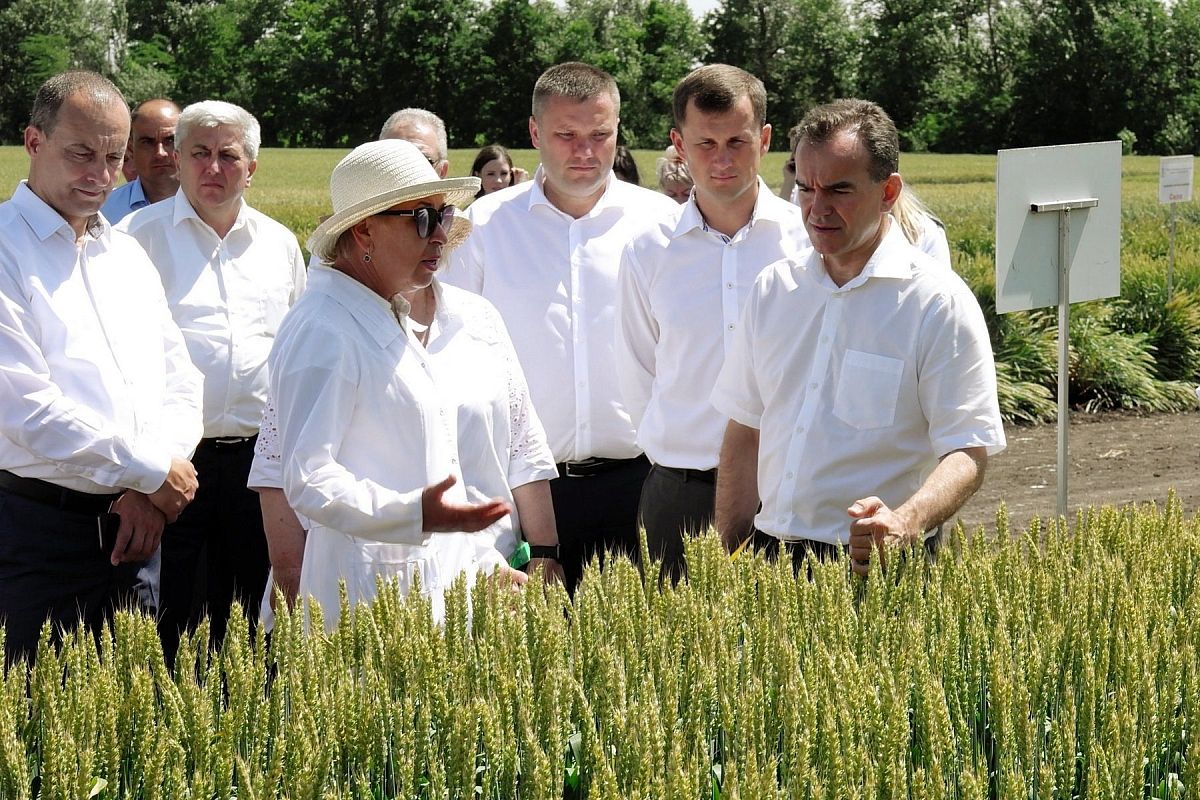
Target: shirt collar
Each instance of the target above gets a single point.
(371, 311)
(44, 220)
(891, 259)
(764, 209)
(537, 195)
(184, 210)
(137, 194)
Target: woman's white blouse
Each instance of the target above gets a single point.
(361, 418)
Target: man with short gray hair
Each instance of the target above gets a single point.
(99, 402)
(230, 274)
(424, 129)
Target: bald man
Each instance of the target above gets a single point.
(151, 148)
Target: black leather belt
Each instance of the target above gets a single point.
(228, 442)
(684, 474)
(591, 467)
(59, 497)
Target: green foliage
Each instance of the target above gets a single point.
(957, 75)
(1043, 663)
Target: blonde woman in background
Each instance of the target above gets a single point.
(674, 180)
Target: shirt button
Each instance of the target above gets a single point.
(454, 461)
(731, 326)
(813, 385)
(800, 429)
(789, 476)
(729, 286)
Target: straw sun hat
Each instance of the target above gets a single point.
(378, 175)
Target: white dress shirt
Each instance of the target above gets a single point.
(228, 296)
(682, 290)
(554, 280)
(96, 389)
(124, 200)
(501, 444)
(367, 420)
(857, 390)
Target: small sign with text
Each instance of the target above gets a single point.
(1175, 179)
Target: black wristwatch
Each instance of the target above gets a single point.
(543, 551)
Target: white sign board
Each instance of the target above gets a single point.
(1175, 179)
(1027, 242)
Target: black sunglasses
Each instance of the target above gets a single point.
(426, 217)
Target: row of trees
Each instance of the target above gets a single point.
(957, 75)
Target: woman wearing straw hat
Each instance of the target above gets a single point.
(400, 406)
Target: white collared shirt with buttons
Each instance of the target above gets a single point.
(501, 442)
(554, 280)
(228, 296)
(682, 290)
(857, 390)
(364, 427)
(97, 392)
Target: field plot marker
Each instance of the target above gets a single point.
(1174, 186)
(1038, 247)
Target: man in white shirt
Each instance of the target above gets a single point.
(230, 274)
(682, 287)
(151, 148)
(546, 253)
(99, 404)
(865, 367)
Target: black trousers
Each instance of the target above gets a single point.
(675, 503)
(216, 551)
(597, 513)
(768, 545)
(52, 568)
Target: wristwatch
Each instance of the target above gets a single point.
(543, 551)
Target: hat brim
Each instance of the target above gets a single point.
(456, 191)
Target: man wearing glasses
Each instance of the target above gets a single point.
(547, 253)
(230, 274)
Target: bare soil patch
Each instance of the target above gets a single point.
(1115, 459)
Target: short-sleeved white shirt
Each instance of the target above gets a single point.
(857, 390)
(682, 290)
(553, 279)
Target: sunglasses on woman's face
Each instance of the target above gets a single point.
(426, 217)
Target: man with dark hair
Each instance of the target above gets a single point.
(682, 287)
(547, 253)
(151, 148)
(99, 402)
(860, 387)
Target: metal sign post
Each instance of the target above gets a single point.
(1058, 242)
(1063, 208)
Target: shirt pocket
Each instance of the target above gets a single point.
(868, 390)
(400, 564)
